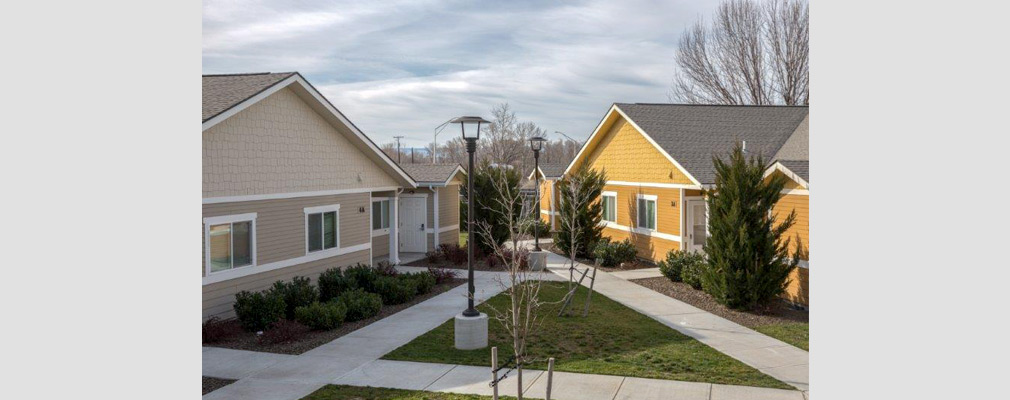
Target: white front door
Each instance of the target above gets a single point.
(697, 224)
(413, 215)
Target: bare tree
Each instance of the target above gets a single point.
(751, 53)
(522, 286)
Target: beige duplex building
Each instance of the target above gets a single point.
(291, 187)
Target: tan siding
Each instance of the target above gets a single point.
(451, 237)
(219, 297)
(280, 224)
(448, 205)
(281, 145)
(380, 245)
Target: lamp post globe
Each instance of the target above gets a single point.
(470, 130)
(537, 144)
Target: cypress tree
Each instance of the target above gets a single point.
(585, 205)
(748, 260)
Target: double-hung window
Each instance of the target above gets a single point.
(322, 228)
(380, 214)
(647, 211)
(609, 200)
(230, 242)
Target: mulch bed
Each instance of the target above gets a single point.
(779, 312)
(212, 384)
(478, 264)
(243, 340)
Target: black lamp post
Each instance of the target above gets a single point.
(470, 128)
(537, 144)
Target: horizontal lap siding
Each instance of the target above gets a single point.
(798, 290)
(219, 297)
(801, 204)
(380, 245)
(451, 237)
(650, 248)
(448, 205)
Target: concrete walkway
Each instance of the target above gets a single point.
(287, 377)
(565, 385)
(771, 356)
(638, 273)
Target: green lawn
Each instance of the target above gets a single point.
(343, 392)
(613, 340)
(462, 238)
(796, 334)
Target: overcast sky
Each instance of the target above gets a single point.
(404, 67)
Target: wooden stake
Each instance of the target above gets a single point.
(589, 296)
(550, 376)
(494, 371)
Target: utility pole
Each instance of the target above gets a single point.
(397, 148)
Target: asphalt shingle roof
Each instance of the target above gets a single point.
(553, 170)
(692, 134)
(221, 92)
(799, 167)
(429, 172)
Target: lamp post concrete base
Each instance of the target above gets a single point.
(538, 260)
(471, 332)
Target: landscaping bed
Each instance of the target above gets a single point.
(612, 340)
(345, 392)
(778, 320)
(240, 339)
(212, 384)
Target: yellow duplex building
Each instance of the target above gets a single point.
(658, 159)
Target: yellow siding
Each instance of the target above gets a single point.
(790, 184)
(627, 155)
(798, 290)
(801, 204)
(667, 219)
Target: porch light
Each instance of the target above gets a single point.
(470, 126)
(537, 144)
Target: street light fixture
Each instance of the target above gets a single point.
(537, 144)
(470, 129)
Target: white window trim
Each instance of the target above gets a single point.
(335, 250)
(382, 231)
(655, 209)
(614, 195)
(227, 219)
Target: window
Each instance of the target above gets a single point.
(610, 206)
(647, 211)
(322, 226)
(380, 214)
(230, 242)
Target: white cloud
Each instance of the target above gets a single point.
(402, 69)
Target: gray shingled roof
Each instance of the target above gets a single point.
(553, 170)
(799, 167)
(221, 92)
(691, 134)
(429, 173)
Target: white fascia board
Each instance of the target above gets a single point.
(777, 166)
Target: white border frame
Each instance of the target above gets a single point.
(688, 220)
(322, 209)
(648, 197)
(227, 219)
(371, 216)
(608, 193)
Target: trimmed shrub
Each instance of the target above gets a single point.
(386, 269)
(297, 293)
(612, 254)
(539, 226)
(215, 329)
(425, 281)
(258, 310)
(284, 331)
(442, 275)
(321, 316)
(360, 304)
(332, 283)
(692, 272)
(673, 266)
(396, 290)
(453, 253)
(362, 276)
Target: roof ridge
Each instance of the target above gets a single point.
(718, 105)
(252, 73)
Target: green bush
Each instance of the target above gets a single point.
(612, 254)
(538, 226)
(425, 281)
(257, 311)
(321, 316)
(488, 209)
(396, 290)
(360, 304)
(299, 292)
(677, 261)
(692, 273)
(332, 283)
(581, 207)
(362, 277)
(748, 255)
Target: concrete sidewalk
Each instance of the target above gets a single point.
(771, 356)
(287, 377)
(638, 273)
(565, 385)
